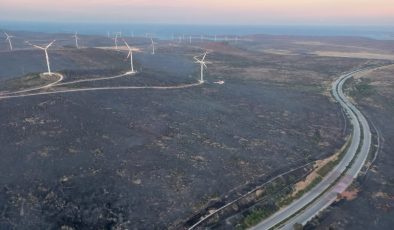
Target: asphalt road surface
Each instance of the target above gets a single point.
(325, 193)
(312, 202)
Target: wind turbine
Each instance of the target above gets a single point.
(76, 39)
(9, 39)
(153, 46)
(116, 41)
(203, 64)
(131, 57)
(46, 54)
(190, 39)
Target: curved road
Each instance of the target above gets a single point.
(61, 77)
(23, 93)
(60, 83)
(312, 202)
(341, 177)
(102, 89)
(95, 79)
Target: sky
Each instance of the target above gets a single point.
(250, 12)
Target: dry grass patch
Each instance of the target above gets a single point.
(349, 194)
(300, 186)
(366, 55)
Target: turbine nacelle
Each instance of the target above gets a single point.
(8, 38)
(46, 54)
(76, 40)
(116, 40)
(203, 64)
(153, 45)
(76, 35)
(130, 55)
(42, 47)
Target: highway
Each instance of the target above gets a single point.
(312, 202)
(325, 193)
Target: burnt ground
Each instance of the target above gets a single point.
(24, 62)
(373, 208)
(149, 159)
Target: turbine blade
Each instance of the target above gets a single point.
(50, 44)
(129, 54)
(39, 47)
(126, 44)
(203, 58)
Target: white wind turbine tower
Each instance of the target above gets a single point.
(190, 39)
(46, 54)
(76, 39)
(203, 64)
(131, 57)
(9, 39)
(153, 46)
(116, 41)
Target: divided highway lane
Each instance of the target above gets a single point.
(318, 198)
(330, 196)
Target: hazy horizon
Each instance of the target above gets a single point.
(216, 12)
(167, 31)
